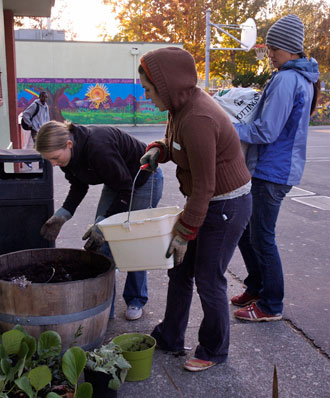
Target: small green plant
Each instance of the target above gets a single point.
(77, 334)
(139, 345)
(109, 359)
(35, 366)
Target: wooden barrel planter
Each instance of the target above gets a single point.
(85, 300)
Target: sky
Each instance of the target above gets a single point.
(83, 17)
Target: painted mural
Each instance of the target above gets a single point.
(92, 101)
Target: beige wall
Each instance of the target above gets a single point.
(45, 59)
(4, 114)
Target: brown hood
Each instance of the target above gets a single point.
(174, 74)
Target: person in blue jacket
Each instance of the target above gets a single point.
(276, 159)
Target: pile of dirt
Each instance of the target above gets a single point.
(52, 273)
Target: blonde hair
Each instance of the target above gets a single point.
(53, 136)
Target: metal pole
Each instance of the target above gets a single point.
(134, 82)
(207, 49)
(134, 51)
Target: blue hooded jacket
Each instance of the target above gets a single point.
(280, 128)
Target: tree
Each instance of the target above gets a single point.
(54, 92)
(316, 18)
(33, 22)
(185, 21)
(42, 23)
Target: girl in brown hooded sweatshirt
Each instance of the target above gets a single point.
(212, 174)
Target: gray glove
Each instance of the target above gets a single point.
(178, 246)
(53, 225)
(151, 157)
(95, 238)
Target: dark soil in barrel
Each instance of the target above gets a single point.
(53, 273)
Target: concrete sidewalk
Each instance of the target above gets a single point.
(254, 350)
(303, 371)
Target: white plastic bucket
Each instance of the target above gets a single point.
(141, 243)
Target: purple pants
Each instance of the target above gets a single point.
(206, 260)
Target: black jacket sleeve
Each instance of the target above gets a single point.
(77, 192)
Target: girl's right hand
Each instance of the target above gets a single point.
(151, 157)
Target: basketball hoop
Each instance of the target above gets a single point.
(261, 51)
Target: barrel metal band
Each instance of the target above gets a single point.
(55, 319)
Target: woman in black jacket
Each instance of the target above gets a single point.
(90, 155)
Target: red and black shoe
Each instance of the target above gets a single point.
(253, 313)
(244, 299)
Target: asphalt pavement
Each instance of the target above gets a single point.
(299, 345)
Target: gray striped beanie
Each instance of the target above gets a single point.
(287, 34)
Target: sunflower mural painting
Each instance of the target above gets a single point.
(98, 95)
(92, 101)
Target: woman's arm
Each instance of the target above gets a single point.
(77, 192)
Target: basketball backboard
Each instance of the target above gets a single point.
(247, 39)
(248, 34)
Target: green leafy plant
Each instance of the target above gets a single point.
(251, 79)
(109, 359)
(139, 344)
(34, 367)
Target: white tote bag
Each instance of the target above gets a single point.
(239, 103)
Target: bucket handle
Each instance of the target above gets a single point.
(143, 167)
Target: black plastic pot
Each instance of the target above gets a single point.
(99, 381)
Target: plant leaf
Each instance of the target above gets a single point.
(73, 363)
(2, 382)
(24, 384)
(2, 352)
(85, 390)
(5, 366)
(23, 350)
(21, 329)
(11, 341)
(123, 363)
(31, 342)
(40, 376)
(53, 395)
(123, 374)
(49, 344)
(114, 384)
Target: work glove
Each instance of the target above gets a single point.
(95, 238)
(151, 157)
(53, 225)
(183, 233)
(178, 247)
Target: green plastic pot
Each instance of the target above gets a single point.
(140, 361)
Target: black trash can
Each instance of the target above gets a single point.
(26, 199)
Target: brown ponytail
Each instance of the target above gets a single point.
(317, 89)
(316, 96)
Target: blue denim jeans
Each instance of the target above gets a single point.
(136, 289)
(206, 259)
(258, 246)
